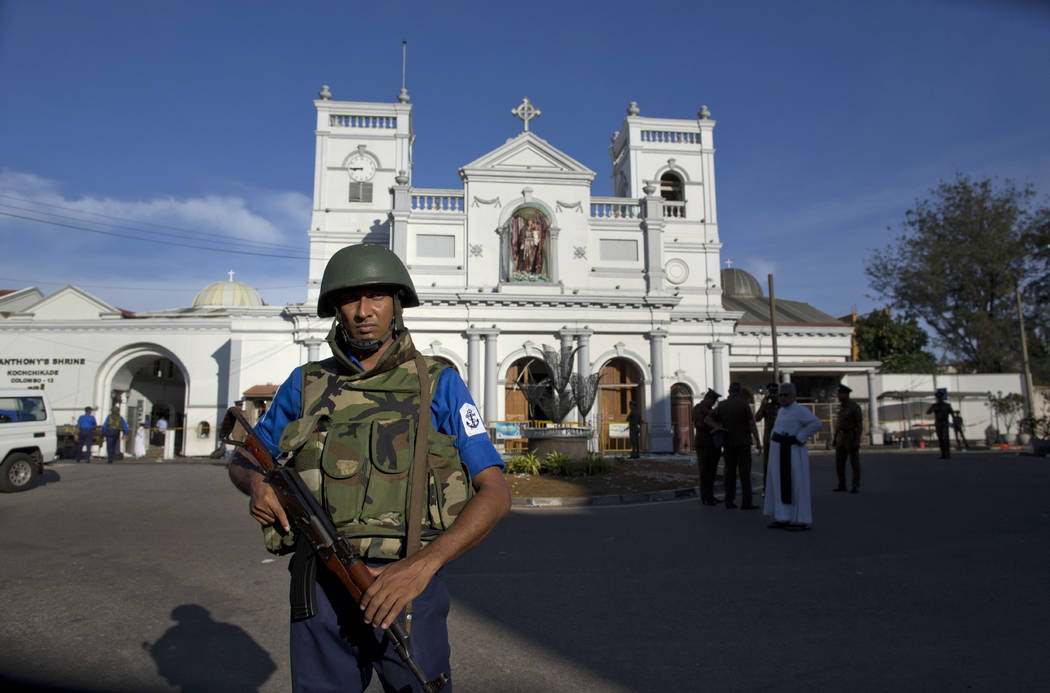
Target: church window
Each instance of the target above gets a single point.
(526, 241)
(671, 188)
(360, 192)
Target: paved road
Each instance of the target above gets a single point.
(151, 577)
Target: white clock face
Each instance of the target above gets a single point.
(361, 168)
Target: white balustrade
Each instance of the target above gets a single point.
(615, 208)
(670, 137)
(363, 121)
(450, 201)
(674, 210)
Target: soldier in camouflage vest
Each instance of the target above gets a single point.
(350, 425)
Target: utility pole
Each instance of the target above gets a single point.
(1028, 389)
(773, 330)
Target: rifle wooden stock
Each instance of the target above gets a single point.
(311, 523)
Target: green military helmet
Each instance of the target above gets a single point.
(364, 265)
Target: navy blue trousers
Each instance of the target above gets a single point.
(84, 441)
(112, 445)
(336, 652)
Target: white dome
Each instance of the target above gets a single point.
(227, 293)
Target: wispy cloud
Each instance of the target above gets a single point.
(222, 216)
(127, 258)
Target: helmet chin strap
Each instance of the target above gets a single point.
(367, 347)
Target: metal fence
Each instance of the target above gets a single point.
(612, 436)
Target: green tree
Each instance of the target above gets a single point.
(956, 265)
(1008, 408)
(897, 342)
(1037, 297)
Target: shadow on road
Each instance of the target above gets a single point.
(200, 654)
(50, 476)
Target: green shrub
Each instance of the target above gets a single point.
(597, 464)
(556, 464)
(525, 463)
(559, 464)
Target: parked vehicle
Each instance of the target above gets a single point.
(27, 437)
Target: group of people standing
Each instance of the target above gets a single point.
(112, 428)
(728, 429)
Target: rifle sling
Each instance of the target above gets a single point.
(418, 475)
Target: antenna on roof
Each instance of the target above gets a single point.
(403, 96)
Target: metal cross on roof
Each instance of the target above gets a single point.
(526, 111)
(230, 272)
(729, 264)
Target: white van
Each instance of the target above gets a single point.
(27, 437)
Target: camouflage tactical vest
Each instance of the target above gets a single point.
(354, 445)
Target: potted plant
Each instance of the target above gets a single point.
(1038, 428)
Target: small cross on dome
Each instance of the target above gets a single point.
(230, 273)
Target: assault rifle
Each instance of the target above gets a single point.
(312, 524)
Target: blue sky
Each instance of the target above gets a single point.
(194, 120)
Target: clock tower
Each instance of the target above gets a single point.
(361, 149)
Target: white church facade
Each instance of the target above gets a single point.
(519, 257)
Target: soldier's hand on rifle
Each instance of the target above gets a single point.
(395, 586)
(264, 506)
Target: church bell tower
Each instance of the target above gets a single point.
(361, 149)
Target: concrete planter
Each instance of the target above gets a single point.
(570, 441)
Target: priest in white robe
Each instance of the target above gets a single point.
(787, 479)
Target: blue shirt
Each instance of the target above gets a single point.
(86, 422)
(452, 412)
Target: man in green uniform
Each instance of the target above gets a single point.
(394, 449)
(942, 412)
(849, 425)
(707, 453)
(634, 429)
(960, 435)
(767, 412)
(735, 416)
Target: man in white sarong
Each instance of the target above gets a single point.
(787, 479)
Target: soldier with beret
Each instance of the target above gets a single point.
(350, 424)
(849, 426)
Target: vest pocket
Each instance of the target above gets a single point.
(392, 445)
(391, 449)
(344, 462)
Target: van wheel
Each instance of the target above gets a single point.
(17, 473)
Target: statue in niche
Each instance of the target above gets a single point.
(529, 239)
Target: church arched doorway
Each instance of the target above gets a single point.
(619, 384)
(148, 383)
(682, 417)
(524, 372)
(517, 410)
